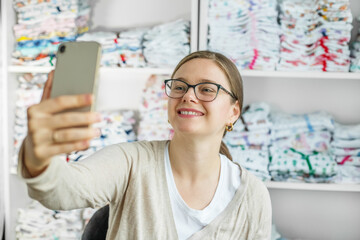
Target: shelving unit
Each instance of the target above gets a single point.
(300, 210)
(314, 187)
(119, 87)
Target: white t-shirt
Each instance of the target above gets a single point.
(189, 221)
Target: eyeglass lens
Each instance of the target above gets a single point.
(203, 91)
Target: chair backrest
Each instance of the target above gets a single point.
(97, 227)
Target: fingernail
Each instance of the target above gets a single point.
(88, 98)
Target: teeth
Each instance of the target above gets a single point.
(190, 113)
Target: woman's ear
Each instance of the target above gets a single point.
(235, 111)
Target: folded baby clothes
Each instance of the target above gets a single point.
(300, 147)
(355, 52)
(130, 49)
(234, 24)
(166, 44)
(43, 25)
(293, 165)
(37, 222)
(315, 35)
(255, 161)
(153, 124)
(28, 93)
(107, 40)
(346, 149)
(286, 124)
(248, 142)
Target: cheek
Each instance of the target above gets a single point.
(220, 111)
(171, 107)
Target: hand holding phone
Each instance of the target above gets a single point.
(58, 124)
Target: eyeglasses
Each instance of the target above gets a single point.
(206, 91)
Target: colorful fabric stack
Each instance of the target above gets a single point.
(246, 31)
(355, 53)
(315, 35)
(116, 127)
(249, 141)
(129, 47)
(43, 25)
(38, 222)
(107, 40)
(346, 148)
(300, 149)
(153, 123)
(166, 44)
(28, 93)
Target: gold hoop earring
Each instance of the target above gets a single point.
(229, 128)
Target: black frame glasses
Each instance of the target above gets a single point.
(169, 83)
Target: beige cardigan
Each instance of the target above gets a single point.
(131, 178)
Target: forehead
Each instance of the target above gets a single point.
(200, 70)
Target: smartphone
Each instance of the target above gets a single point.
(76, 70)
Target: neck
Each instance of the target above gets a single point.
(194, 159)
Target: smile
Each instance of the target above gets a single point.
(190, 113)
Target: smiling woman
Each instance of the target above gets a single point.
(185, 188)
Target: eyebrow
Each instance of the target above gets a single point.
(201, 80)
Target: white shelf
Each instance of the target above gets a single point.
(297, 75)
(314, 186)
(114, 70)
(244, 73)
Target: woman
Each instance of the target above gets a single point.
(178, 189)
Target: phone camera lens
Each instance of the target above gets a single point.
(62, 49)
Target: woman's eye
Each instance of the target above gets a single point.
(208, 90)
(179, 88)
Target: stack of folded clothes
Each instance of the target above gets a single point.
(315, 35)
(107, 40)
(28, 93)
(246, 31)
(355, 53)
(43, 25)
(300, 149)
(153, 123)
(38, 222)
(166, 44)
(346, 148)
(129, 47)
(249, 141)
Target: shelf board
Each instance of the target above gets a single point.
(314, 186)
(115, 70)
(307, 75)
(244, 73)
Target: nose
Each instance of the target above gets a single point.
(190, 95)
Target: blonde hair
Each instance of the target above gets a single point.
(233, 77)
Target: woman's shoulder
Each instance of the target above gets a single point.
(256, 188)
(154, 146)
(138, 151)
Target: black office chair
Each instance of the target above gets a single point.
(97, 227)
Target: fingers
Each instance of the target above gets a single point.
(64, 120)
(46, 152)
(48, 137)
(48, 86)
(60, 104)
